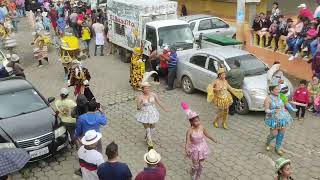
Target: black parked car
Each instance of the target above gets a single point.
(27, 121)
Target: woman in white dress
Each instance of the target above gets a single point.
(148, 114)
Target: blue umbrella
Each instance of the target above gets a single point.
(12, 160)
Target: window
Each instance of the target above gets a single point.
(20, 102)
(119, 29)
(205, 25)
(217, 23)
(213, 65)
(151, 36)
(192, 25)
(199, 60)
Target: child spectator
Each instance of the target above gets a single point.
(304, 11)
(275, 12)
(317, 105)
(311, 35)
(272, 32)
(301, 99)
(295, 45)
(314, 91)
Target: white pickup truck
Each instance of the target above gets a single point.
(149, 24)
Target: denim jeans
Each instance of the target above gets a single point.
(295, 44)
(22, 11)
(171, 76)
(314, 47)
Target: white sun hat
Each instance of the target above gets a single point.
(91, 137)
(152, 157)
(303, 5)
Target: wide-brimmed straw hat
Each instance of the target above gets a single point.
(280, 163)
(152, 157)
(91, 137)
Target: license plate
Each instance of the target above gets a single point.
(39, 152)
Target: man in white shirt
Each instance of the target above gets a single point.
(89, 157)
(98, 29)
(317, 11)
(73, 19)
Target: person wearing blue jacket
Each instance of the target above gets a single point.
(92, 120)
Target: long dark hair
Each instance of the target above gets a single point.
(280, 174)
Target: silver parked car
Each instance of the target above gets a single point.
(208, 24)
(198, 68)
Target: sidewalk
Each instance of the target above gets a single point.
(298, 68)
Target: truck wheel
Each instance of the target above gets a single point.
(123, 55)
(242, 106)
(187, 85)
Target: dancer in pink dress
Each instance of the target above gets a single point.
(196, 146)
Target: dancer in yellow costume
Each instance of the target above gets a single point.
(137, 68)
(219, 94)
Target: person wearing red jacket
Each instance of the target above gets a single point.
(301, 95)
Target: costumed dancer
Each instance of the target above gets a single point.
(196, 146)
(219, 94)
(137, 68)
(78, 74)
(283, 169)
(277, 117)
(40, 51)
(148, 114)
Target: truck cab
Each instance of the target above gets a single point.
(159, 34)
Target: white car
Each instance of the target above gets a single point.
(208, 24)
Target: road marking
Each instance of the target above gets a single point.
(266, 157)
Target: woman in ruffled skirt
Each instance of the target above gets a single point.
(219, 93)
(148, 114)
(277, 117)
(196, 145)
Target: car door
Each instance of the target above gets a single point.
(204, 26)
(198, 70)
(220, 27)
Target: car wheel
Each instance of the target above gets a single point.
(187, 85)
(242, 106)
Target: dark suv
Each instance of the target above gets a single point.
(27, 121)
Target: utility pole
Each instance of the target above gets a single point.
(241, 10)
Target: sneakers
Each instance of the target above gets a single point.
(291, 58)
(311, 109)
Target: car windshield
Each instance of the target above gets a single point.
(175, 35)
(20, 102)
(249, 64)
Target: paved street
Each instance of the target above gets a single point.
(240, 153)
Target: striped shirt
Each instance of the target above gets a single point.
(89, 161)
(173, 60)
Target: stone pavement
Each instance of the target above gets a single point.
(240, 153)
